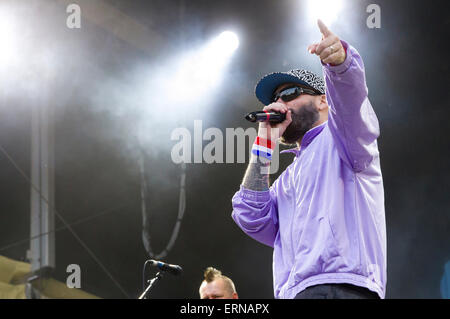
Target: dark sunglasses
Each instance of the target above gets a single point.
(291, 93)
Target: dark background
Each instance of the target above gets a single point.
(95, 81)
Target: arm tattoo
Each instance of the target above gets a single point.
(256, 177)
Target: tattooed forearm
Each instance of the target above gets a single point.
(256, 177)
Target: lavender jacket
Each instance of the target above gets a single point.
(324, 215)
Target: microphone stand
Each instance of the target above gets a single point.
(150, 285)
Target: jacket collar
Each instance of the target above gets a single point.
(307, 139)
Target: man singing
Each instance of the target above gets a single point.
(324, 215)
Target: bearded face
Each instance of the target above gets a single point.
(303, 120)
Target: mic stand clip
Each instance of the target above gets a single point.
(150, 285)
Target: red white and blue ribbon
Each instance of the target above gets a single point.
(263, 148)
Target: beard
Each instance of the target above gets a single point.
(302, 121)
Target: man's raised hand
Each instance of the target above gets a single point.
(329, 49)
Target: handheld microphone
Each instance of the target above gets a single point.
(263, 116)
(173, 269)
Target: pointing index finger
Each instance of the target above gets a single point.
(323, 28)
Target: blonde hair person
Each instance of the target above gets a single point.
(217, 286)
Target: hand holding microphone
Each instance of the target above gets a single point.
(273, 120)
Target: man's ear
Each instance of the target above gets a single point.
(323, 105)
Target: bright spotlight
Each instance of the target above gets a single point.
(326, 10)
(186, 83)
(227, 42)
(8, 45)
(201, 70)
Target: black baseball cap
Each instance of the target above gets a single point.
(269, 83)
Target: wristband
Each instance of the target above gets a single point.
(263, 148)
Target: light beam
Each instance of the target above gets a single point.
(326, 10)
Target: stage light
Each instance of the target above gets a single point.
(201, 70)
(226, 43)
(185, 85)
(326, 10)
(8, 42)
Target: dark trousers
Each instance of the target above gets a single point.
(336, 291)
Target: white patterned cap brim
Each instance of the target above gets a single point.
(268, 84)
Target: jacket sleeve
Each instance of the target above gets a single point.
(352, 120)
(256, 214)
